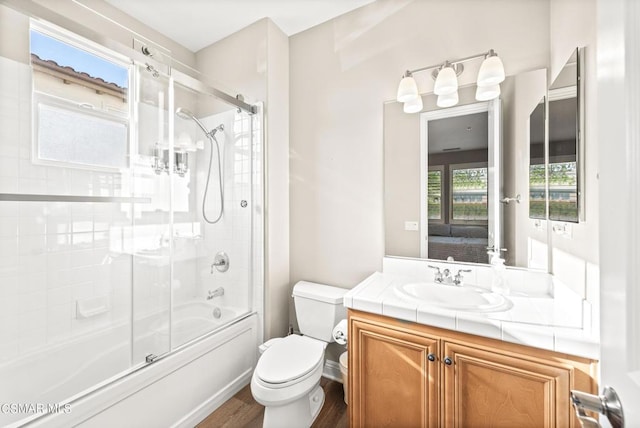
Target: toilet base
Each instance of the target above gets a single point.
(298, 414)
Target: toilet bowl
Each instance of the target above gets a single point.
(287, 377)
(287, 382)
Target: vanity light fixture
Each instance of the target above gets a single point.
(486, 93)
(408, 89)
(491, 70)
(447, 79)
(490, 75)
(413, 106)
(448, 100)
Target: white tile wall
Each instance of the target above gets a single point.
(234, 231)
(51, 254)
(571, 270)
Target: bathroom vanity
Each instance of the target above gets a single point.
(416, 361)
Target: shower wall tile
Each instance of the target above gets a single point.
(8, 185)
(8, 227)
(8, 167)
(32, 340)
(9, 350)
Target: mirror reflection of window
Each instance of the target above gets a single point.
(537, 179)
(469, 194)
(563, 179)
(434, 194)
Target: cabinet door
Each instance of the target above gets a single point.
(392, 380)
(491, 389)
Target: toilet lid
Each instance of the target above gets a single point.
(291, 358)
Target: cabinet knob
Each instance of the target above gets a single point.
(431, 357)
(448, 361)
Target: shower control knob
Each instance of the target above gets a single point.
(431, 357)
(243, 204)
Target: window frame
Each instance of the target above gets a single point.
(39, 97)
(440, 220)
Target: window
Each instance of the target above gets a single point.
(469, 193)
(434, 193)
(81, 108)
(537, 201)
(563, 191)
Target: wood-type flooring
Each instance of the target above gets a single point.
(242, 411)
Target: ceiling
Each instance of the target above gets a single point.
(196, 24)
(468, 132)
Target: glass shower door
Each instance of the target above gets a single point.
(212, 209)
(151, 244)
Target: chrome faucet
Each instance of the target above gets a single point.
(441, 277)
(445, 277)
(458, 279)
(215, 293)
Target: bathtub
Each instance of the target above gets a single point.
(192, 319)
(202, 342)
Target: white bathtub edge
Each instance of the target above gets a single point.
(89, 406)
(209, 406)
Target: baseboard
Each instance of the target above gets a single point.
(332, 371)
(198, 414)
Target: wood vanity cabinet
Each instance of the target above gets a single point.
(403, 374)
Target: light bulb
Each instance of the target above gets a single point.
(447, 100)
(446, 82)
(413, 106)
(491, 71)
(407, 90)
(486, 93)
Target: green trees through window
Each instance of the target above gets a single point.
(469, 193)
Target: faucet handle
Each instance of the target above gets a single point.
(459, 278)
(437, 277)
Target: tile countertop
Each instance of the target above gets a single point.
(559, 321)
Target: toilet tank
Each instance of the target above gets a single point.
(319, 308)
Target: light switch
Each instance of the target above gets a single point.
(411, 225)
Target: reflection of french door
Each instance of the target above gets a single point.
(494, 173)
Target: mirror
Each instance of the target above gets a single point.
(563, 145)
(419, 199)
(537, 156)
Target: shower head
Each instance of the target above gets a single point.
(185, 114)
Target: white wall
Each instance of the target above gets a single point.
(255, 62)
(529, 87)
(341, 73)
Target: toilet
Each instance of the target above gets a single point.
(287, 377)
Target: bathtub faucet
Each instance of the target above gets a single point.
(215, 293)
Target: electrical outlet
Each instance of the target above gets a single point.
(562, 229)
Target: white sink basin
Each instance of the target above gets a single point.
(451, 297)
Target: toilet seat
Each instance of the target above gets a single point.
(289, 361)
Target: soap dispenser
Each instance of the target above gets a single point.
(499, 282)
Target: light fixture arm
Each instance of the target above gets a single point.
(490, 52)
